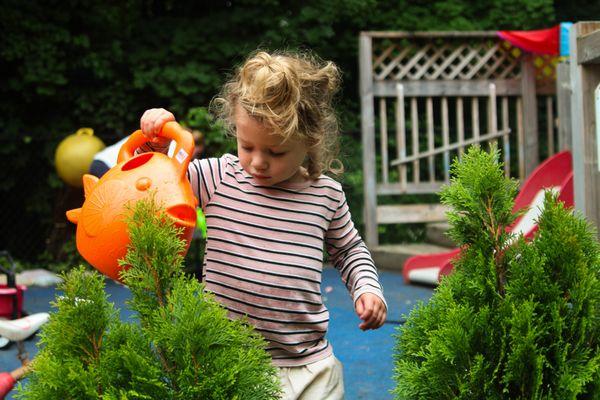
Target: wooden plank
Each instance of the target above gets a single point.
(588, 48)
(414, 119)
(584, 79)
(412, 188)
(563, 105)
(506, 139)
(383, 136)
(492, 118)
(429, 34)
(453, 146)
(550, 125)
(438, 88)
(430, 138)
(368, 140)
(475, 117)
(520, 139)
(411, 213)
(530, 114)
(460, 125)
(401, 133)
(446, 138)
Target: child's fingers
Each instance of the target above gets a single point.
(380, 319)
(376, 319)
(359, 308)
(153, 120)
(367, 314)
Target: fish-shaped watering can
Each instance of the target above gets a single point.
(102, 235)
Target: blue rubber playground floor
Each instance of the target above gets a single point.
(367, 356)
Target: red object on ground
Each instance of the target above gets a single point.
(543, 41)
(7, 382)
(7, 298)
(555, 173)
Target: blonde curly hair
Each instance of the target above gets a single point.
(292, 94)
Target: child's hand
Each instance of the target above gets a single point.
(152, 122)
(371, 309)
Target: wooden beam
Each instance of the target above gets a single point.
(588, 48)
(530, 122)
(504, 87)
(453, 146)
(563, 105)
(584, 80)
(411, 213)
(429, 34)
(388, 189)
(368, 140)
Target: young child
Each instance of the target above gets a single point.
(271, 211)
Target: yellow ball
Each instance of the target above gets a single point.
(74, 155)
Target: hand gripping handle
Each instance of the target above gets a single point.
(171, 130)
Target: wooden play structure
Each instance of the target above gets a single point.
(584, 89)
(425, 96)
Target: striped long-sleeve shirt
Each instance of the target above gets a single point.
(264, 254)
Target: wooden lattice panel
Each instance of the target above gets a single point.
(455, 58)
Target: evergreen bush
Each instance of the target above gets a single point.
(517, 319)
(184, 346)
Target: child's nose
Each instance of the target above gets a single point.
(259, 162)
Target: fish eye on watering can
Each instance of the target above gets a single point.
(102, 233)
(143, 183)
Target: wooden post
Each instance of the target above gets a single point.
(563, 102)
(368, 139)
(530, 122)
(585, 77)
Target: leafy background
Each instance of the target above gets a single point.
(69, 64)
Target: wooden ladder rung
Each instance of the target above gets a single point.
(411, 213)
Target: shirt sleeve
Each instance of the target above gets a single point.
(206, 175)
(350, 256)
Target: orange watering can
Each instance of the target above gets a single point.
(102, 236)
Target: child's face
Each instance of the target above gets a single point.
(264, 155)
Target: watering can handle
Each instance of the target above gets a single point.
(171, 130)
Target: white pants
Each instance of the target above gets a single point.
(321, 380)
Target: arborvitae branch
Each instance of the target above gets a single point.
(512, 321)
(184, 346)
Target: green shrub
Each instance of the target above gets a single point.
(517, 319)
(184, 346)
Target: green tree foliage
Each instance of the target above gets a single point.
(184, 346)
(75, 63)
(517, 319)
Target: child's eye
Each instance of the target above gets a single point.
(277, 154)
(246, 148)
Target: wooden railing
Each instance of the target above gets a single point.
(425, 96)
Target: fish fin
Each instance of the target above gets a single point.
(73, 215)
(89, 183)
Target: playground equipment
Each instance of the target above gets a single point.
(555, 174)
(74, 155)
(102, 236)
(17, 327)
